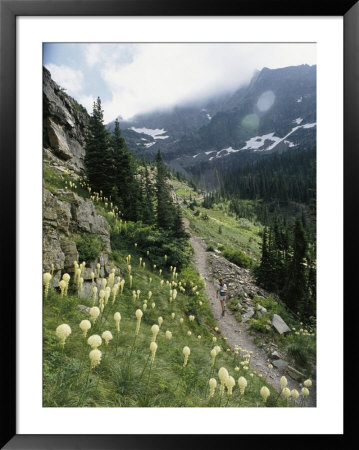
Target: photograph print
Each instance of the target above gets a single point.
(179, 225)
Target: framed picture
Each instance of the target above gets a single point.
(25, 27)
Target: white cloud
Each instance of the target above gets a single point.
(87, 101)
(161, 75)
(70, 79)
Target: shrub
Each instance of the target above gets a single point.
(89, 246)
(261, 325)
(210, 249)
(238, 257)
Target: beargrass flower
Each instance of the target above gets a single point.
(153, 348)
(230, 384)
(149, 295)
(307, 383)
(63, 332)
(294, 394)
(191, 318)
(286, 392)
(223, 376)
(214, 339)
(212, 386)
(107, 294)
(139, 315)
(144, 306)
(62, 285)
(242, 383)
(265, 393)
(283, 382)
(168, 335)
(199, 336)
(94, 313)
(173, 315)
(186, 351)
(107, 336)
(153, 304)
(85, 325)
(160, 321)
(181, 321)
(95, 358)
(305, 392)
(117, 318)
(94, 341)
(155, 330)
(47, 277)
(189, 333)
(98, 266)
(213, 355)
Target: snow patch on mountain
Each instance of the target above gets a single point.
(298, 121)
(155, 133)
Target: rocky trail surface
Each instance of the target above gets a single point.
(237, 332)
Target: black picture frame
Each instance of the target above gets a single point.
(9, 10)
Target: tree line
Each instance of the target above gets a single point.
(112, 170)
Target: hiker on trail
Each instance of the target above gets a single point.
(222, 294)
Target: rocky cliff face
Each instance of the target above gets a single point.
(65, 213)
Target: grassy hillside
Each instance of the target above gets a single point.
(126, 374)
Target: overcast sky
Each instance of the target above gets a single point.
(135, 78)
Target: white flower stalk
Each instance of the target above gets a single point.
(286, 392)
(264, 393)
(161, 282)
(153, 304)
(63, 332)
(149, 295)
(155, 329)
(144, 306)
(181, 321)
(305, 392)
(140, 259)
(214, 339)
(144, 265)
(217, 348)
(223, 377)
(95, 358)
(150, 280)
(212, 386)
(283, 382)
(242, 383)
(94, 341)
(148, 252)
(189, 333)
(117, 318)
(131, 278)
(230, 384)
(107, 294)
(66, 278)
(138, 292)
(199, 336)
(107, 336)
(168, 335)
(94, 313)
(92, 279)
(294, 394)
(83, 264)
(160, 321)
(174, 294)
(160, 271)
(134, 296)
(62, 285)
(173, 315)
(139, 315)
(186, 351)
(153, 348)
(122, 284)
(135, 244)
(81, 283)
(191, 318)
(115, 289)
(98, 266)
(111, 279)
(85, 325)
(213, 355)
(307, 383)
(47, 278)
(165, 257)
(129, 269)
(104, 283)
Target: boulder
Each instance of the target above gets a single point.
(279, 324)
(294, 373)
(280, 364)
(57, 140)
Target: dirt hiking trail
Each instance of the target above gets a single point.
(237, 332)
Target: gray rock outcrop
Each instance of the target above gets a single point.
(279, 324)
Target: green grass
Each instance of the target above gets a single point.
(121, 380)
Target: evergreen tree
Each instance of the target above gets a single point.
(99, 161)
(295, 292)
(148, 215)
(164, 208)
(127, 187)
